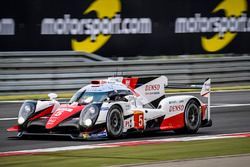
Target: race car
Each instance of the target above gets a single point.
(113, 107)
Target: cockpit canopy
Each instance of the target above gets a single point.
(98, 93)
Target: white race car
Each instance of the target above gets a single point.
(113, 107)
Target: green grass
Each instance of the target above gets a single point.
(133, 154)
(69, 95)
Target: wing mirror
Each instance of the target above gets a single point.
(130, 98)
(52, 96)
(107, 99)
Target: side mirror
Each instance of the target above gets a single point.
(131, 99)
(52, 96)
(107, 99)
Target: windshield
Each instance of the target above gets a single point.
(88, 97)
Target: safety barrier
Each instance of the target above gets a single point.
(27, 74)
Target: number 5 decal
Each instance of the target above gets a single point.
(138, 120)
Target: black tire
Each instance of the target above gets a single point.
(114, 123)
(192, 118)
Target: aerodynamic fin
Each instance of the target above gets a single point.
(205, 92)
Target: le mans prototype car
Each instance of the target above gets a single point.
(114, 107)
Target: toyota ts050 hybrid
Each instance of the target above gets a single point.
(114, 107)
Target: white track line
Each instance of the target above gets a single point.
(11, 101)
(8, 119)
(230, 105)
(218, 91)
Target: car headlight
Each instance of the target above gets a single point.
(26, 110)
(89, 115)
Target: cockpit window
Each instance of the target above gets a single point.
(86, 97)
(89, 97)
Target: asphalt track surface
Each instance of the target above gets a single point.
(230, 114)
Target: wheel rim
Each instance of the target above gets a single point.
(115, 122)
(193, 116)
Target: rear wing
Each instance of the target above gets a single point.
(148, 89)
(206, 92)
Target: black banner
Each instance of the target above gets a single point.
(126, 27)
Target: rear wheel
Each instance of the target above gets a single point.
(114, 122)
(192, 118)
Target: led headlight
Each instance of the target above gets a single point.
(88, 122)
(27, 109)
(89, 115)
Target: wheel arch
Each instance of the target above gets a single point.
(118, 105)
(196, 100)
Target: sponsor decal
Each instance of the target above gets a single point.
(7, 26)
(60, 111)
(226, 28)
(52, 120)
(104, 108)
(127, 107)
(176, 108)
(99, 30)
(128, 123)
(152, 87)
(138, 120)
(65, 109)
(172, 102)
(127, 82)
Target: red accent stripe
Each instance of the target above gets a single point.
(14, 153)
(203, 111)
(239, 135)
(174, 122)
(14, 128)
(131, 84)
(205, 94)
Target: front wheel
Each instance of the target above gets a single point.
(114, 122)
(192, 118)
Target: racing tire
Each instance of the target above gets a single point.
(192, 118)
(114, 123)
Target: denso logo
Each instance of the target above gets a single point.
(152, 87)
(176, 108)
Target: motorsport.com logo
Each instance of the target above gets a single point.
(219, 25)
(93, 27)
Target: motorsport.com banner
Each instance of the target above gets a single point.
(126, 27)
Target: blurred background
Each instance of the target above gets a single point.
(61, 45)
